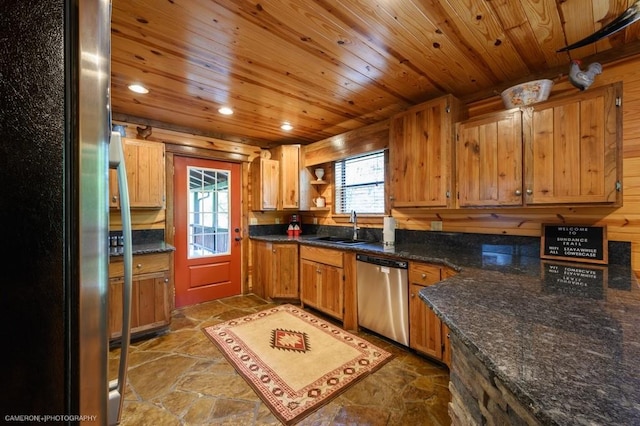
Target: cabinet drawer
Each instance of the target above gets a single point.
(322, 255)
(142, 264)
(420, 273)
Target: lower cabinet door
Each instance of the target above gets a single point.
(150, 304)
(446, 346)
(309, 277)
(285, 272)
(425, 333)
(332, 291)
(262, 270)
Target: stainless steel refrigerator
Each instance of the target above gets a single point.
(55, 129)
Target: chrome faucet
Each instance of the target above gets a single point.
(354, 219)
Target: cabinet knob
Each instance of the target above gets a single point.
(166, 280)
(114, 198)
(518, 192)
(529, 191)
(424, 276)
(139, 265)
(318, 270)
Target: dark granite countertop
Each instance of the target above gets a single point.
(143, 248)
(563, 337)
(565, 341)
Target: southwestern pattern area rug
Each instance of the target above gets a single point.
(295, 361)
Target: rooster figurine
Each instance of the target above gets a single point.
(583, 79)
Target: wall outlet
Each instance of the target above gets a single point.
(277, 220)
(253, 221)
(315, 220)
(436, 225)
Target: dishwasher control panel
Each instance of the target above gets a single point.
(382, 261)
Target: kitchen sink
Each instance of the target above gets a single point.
(331, 239)
(353, 242)
(340, 240)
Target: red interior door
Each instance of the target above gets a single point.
(207, 220)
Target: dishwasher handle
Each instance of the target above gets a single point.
(382, 261)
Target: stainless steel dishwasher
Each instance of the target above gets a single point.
(383, 297)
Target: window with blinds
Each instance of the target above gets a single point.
(359, 183)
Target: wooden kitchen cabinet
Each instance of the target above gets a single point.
(427, 334)
(275, 268)
(289, 188)
(144, 161)
(265, 181)
(489, 160)
(114, 192)
(322, 280)
(275, 181)
(152, 293)
(562, 152)
(421, 154)
(573, 149)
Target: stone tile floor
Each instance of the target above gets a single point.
(180, 378)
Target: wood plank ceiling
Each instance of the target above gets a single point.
(328, 67)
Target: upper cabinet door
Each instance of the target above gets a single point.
(144, 161)
(289, 158)
(420, 154)
(573, 149)
(265, 174)
(489, 160)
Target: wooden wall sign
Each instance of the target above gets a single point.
(577, 243)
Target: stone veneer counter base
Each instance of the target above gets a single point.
(479, 397)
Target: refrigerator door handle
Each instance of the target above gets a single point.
(117, 387)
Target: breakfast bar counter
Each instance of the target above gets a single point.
(565, 343)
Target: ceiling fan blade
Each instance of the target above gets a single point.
(628, 17)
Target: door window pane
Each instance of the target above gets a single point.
(208, 212)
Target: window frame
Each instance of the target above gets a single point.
(340, 215)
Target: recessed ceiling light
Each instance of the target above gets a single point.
(225, 110)
(286, 126)
(138, 88)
